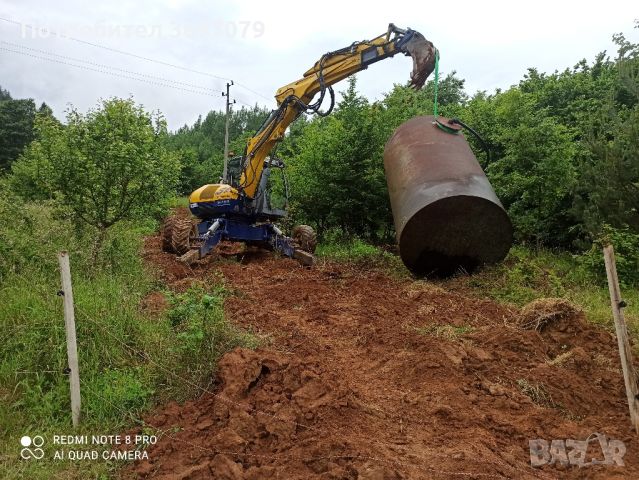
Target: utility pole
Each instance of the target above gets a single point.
(226, 132)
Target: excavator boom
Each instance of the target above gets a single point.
(295, 98)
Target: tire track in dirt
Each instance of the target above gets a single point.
(372, 377)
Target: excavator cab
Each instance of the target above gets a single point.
(234, 170)
(271, 201)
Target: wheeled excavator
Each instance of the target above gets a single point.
(241, 210)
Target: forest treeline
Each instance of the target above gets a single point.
(564, 151)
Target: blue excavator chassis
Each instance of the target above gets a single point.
(210, 232)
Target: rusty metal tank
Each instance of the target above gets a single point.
(447, 216)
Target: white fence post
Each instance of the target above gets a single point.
(72, 348)
(629, 374)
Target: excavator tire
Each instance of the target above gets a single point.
(182, 232)
(304, 236)
(167, 233)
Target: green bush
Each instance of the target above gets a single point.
(626, 246)
(102, 167)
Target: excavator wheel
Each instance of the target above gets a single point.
(182, 234)
(304, 236)
(167, 233)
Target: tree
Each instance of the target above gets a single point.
(532, 166)
(16, 127)
(4, 94)
(403, 103)
(201, 146)
(609, 187)
(336, 169)
(106, 166)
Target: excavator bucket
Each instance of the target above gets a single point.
(423, 54)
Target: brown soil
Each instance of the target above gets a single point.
(373, 377)
(154, 304)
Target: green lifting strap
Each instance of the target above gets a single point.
(437, 122)
(446, 128)
(436, 82)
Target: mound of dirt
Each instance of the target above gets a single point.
(265, 403)
(360, 383)
(544, 311)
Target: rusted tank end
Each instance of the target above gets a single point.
(447, 216)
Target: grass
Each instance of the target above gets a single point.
(120, 346)
(202, 336)
(449, 332)
(528, 274)
(561, 358)
(537, 393)
(354, 249)
(179, 202)
(361, 253)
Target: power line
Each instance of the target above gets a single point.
(104, 47)
(253, 91)
(134, 55)
(101, 65)
(106, 72)
(244, 103)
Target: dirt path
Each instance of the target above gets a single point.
(370, 377)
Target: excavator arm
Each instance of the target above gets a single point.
(295, 98)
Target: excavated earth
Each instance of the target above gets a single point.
(367, 376)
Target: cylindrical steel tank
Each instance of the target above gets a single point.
(446, 213)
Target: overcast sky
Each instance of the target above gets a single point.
(263, 45)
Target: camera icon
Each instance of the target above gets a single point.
(37, 452)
